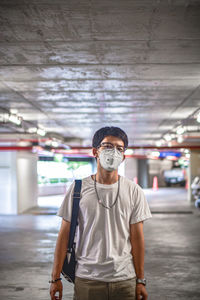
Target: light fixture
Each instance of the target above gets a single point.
(15, 119)
(129, 152)
(156, 153)
(186, 151)
(173, 135)
(13, 111)
(4, 117)
(158, 143)
(41, 132)
(167, 137)
(198, 118)
(54, 144)
(32, 130)
(180, 130)
(180, 139)
(48, 142)
(24, 143)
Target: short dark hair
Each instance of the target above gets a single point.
(106, 131)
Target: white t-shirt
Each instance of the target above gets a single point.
(103, 249)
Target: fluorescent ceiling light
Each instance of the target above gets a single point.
(13, 111)
(156, 153)
(54, 144)
(180, 130)
(129, 152)
(48, 143)
(168, 137)
(32, 130)
(180, 139)
(41, 132)
(187, 151)
(14, 119)
(24, 143)
(158, 143)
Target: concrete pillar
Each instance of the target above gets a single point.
(143, 171)
(18, 181)
(27, 186)
(8, 183)
(130, 168)
(193, 171)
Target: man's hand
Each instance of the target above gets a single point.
(56, 287)
(141, 292)
(59, 257)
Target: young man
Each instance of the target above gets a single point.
(110, 240)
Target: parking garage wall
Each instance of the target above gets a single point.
(8, 183)
(26, 175)
(18, 181)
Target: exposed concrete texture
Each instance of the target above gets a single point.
(73, 66)
(18, 181)
(172, 253)
(8, 183)
(27, 180)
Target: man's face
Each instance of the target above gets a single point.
(109, 142)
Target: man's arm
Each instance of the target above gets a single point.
(59, 257)
(137, 243)
(61, 249)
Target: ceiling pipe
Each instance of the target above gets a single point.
(21, 148)
(146, 147)
(15, 148)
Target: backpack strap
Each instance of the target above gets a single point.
(75, 209)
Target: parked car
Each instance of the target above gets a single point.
(175, 176)
(195, 186)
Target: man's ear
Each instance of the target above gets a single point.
(94, 152)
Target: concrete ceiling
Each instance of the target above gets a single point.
(73, 66)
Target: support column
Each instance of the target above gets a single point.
(8, 183)
(143, 171)
(193, 171)
(131, 169)
(27, 186)
(18, 181)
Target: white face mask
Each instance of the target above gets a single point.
(110, 159)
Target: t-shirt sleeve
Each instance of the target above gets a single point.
(65, 209)
(141, 210)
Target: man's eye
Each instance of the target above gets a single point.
(121, 149)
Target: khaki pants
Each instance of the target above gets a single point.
(85, 289)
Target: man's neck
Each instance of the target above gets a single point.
(106, 177)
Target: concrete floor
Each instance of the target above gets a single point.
(172, 264)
